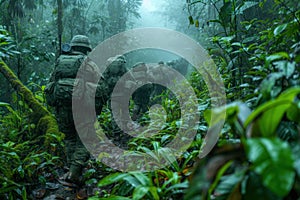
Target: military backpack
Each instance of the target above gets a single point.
(64, 83)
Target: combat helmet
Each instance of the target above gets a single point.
(81, 41)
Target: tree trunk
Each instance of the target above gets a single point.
(59, 24)
(46, 123)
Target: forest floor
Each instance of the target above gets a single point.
(57, 189)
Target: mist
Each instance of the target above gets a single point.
(153, 14)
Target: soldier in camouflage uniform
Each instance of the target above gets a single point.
(181, 65)
(167, 76)
(59, 95)
(141, 97)
(116, 69)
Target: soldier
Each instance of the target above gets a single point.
(141, 97)
(116, 69)
(67, 87)
(59, 94)
(181, 65)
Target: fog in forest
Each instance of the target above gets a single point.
(153, 14)
(226, 128)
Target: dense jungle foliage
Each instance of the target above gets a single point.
(256, 47)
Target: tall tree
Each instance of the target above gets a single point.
(59, 23)
(120, 12)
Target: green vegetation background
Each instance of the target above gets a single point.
(256, 46)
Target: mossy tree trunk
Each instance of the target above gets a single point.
(46, 123)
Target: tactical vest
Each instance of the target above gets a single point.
(67, 66)
(65, 84)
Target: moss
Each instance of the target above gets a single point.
(29, 98)
(47, 124)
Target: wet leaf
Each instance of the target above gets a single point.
(279, 29)
(229, 183)
(271, 118)
(139, 192)
(293, 113)
(286, 68)
(277, 56)
(272, 159)
(112, 178)
(283, 102)
(4, 104)
(153, 191)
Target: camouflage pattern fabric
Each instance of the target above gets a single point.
(142, 95)
(181, 65)
(81, 41)
(60, 87)
(76, 153)
(59, 95)
(115, 70)
(160, 76)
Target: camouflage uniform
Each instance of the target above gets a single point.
(150, 94)
(115, 70)
(77, 155)
(159, 75)
(181, 65)
(141, 97)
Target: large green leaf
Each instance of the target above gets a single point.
(228, 184)
(296, 153)
(252, 188)
(132, 181)
(277, 56)
(4, 104)
(273, 160)
(279, 29)
(293, 113)
(142, 178)
(138, 178)
(267, 87)
(286, 68)
(154, 192)
(290, 94)
(270, 119)
(139, 192)
(268, 116)
(219, 177)
(112, 178)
